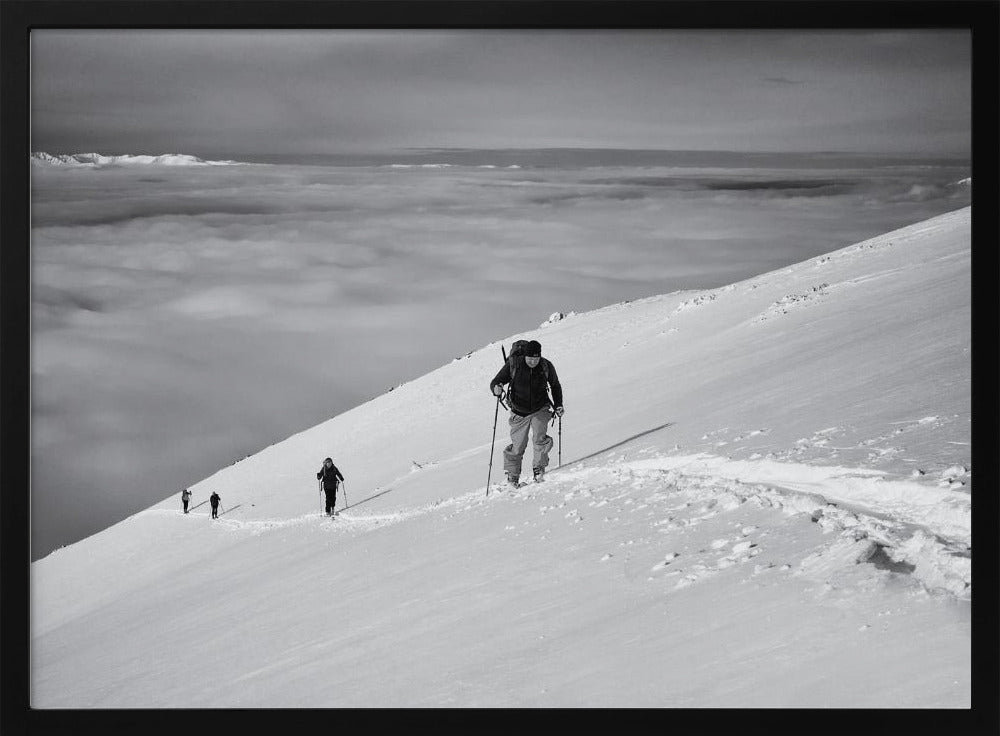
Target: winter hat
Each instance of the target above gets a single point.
(328, 460)
(533, 349)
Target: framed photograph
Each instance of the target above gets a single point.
(457, 363)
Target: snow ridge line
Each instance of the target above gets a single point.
(937, 562)
(364, 522)
(915, 542)
(943, 512)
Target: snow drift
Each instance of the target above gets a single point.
(764, 501)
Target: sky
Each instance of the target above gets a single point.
(184, 318)
(307, 92)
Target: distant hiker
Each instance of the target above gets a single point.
(530, 376)
(214, 500)
(185, 497)
(331, 477)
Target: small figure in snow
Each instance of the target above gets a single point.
(530, 376)
(185, 497)
(330, 477)
(214, 500)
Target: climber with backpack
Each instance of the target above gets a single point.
(329, 477)
(529, 376)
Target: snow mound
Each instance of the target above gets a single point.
(556, 317)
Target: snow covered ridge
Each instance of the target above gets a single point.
(41, 158)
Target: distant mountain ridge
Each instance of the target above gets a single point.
(42, 158)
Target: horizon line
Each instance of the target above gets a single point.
(529, 149)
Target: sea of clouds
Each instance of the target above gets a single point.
(184, 316)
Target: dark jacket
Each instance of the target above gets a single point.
(529, 391)
(329, 477)
(214, 499)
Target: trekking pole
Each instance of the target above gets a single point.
(496, 414)
(493, 443)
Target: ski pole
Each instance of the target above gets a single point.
(560, 441)
(496, 414)
(345, 496)
(321, 503)
(493, 443)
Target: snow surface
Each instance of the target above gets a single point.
(764, 501)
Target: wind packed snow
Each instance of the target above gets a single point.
(764, 501)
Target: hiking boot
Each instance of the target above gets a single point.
(539, 475)
(512, 480)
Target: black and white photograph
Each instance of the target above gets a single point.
(501, 367)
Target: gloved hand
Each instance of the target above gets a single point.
(559, 411)
(497, 390)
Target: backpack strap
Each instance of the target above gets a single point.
(512, 367)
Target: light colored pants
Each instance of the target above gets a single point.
(542, 443)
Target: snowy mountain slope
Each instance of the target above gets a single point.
(41, 158)
(773, 503)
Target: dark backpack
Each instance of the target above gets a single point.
(517, 351)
